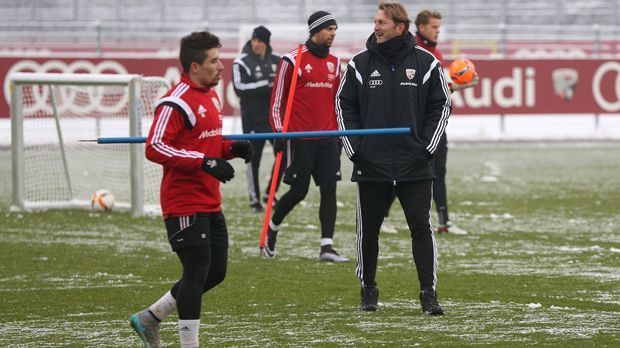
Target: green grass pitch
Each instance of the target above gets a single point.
(540, 265)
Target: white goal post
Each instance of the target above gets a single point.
(51, 113)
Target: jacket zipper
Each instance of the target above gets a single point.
(393, 68)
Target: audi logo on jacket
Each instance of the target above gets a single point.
(411, 91)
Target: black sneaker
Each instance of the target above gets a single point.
(428, 300)
(369, 298)
(266, 200)
(270, 248)
(329, 254)
(257, 207)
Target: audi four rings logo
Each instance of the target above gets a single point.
(37, 99)
(375, 82)
(605, 68)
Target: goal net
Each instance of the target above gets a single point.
(51, 113)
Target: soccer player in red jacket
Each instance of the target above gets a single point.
(313, 110)
(186, 139)
(428, 24)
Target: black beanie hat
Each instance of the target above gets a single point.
(261, 33)
(320, 20)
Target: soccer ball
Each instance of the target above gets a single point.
(462, 71)
(102, 200)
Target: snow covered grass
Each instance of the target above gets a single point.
(538, 267)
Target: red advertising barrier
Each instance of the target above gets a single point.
(506, 86)
(542, 87)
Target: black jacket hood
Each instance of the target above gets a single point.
(394, 50)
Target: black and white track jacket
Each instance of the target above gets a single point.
(253, 82)
(375, 94)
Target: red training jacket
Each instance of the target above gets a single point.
(314, 102)
(432, 48)
(186, 128)
(429, 46)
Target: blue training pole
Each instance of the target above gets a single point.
(287, 135)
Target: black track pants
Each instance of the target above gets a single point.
(372, 201)
(440, 194)
(253, 170)
(204, 266)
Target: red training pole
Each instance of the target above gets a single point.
(278, 163)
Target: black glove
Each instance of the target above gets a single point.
(243, 149)
(218, 168)
(279, 144)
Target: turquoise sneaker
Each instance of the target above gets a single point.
(147, 327)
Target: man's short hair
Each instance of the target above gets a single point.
(194, 48)
(396, 12)
(424, 17)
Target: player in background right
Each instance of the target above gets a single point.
(428, 24)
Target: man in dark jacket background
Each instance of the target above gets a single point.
(253, 73)
(394, 83)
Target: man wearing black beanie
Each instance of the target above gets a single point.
(254, 70)
(313, 110)
(261, 33)
(319, 20)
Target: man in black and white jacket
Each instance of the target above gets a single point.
(253, 73)
(394, 83)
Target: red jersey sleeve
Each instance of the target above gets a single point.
(226, 144)
(279, 96)
(160, 148)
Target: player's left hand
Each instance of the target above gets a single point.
(456, 87)
(243, 149)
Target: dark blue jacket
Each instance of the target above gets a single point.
(253, 82)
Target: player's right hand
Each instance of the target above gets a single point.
(218, 168)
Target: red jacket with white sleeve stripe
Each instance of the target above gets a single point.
(313, 104)
(187, 127)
